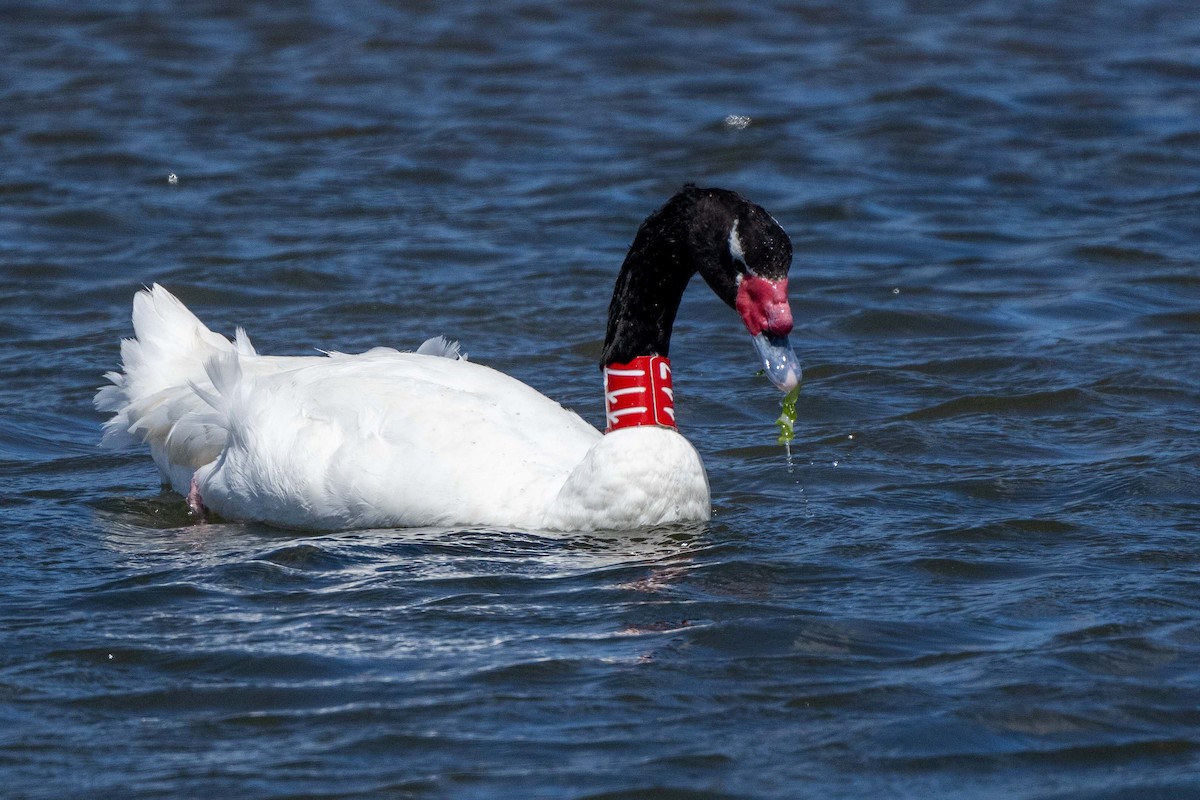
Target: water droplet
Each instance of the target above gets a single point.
(172, 179)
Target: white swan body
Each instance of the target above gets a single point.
(379, 439)
(387, 439)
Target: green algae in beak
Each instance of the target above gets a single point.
(787, 417)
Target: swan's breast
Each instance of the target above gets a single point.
(633, 478)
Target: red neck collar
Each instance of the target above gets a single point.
(639, 393)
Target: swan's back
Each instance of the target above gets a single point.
(386, 438)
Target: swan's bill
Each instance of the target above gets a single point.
(779, 360)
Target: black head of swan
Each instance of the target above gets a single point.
(391, 439)
(740, 251)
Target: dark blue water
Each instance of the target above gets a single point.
(981, 578)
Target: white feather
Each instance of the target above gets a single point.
(441, 346)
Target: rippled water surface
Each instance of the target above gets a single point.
(981, 577)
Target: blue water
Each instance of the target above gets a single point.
(980, 578)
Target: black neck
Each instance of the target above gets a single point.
(642, 312)
(666, 252)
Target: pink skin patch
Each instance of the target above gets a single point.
(763, 305)
(196, 504)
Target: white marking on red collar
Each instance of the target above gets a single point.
(639, 393)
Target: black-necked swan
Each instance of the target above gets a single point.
(391, 439)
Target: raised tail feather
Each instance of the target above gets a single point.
(178, 388)
(162, 396)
